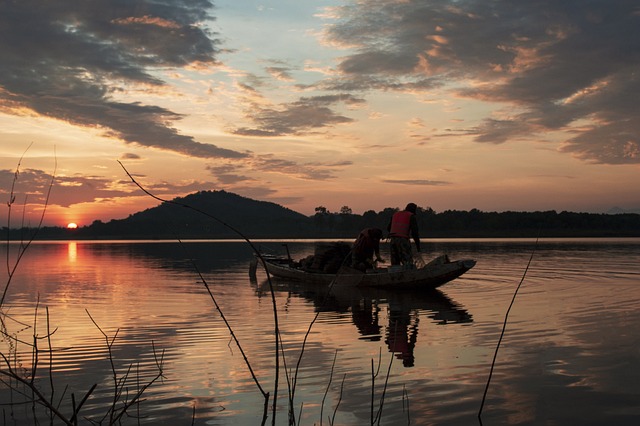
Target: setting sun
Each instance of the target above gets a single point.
(72, 226)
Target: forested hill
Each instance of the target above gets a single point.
(210, 214)
(260, 219)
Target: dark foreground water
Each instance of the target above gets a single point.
(570, 354)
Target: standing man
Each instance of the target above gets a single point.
(402, 227)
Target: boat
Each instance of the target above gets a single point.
(433, 274)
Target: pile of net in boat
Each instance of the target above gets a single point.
(327, 258)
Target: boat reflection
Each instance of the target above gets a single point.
(378, 313)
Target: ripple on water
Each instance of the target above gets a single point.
(569, 351)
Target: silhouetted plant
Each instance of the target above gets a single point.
(29, 383)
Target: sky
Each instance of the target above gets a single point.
(503, 105)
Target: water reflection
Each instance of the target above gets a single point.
(72, 250)
(569, 355)
(402, 311)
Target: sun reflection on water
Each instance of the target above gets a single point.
(72, 250)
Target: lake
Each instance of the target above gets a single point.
(570, 352)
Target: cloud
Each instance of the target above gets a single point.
(227, 174)
(232, 174)
(32, 185)
(65, 59)
(280, 73)
(349, 82)
(417, 182)
(299, 117)
(501, 131)
(130, 156)
(307, 171)
(557, 65)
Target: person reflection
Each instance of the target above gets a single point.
(365, 315)
(401, 332)
(402, 335)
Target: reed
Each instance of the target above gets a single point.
(12, 266)
(227, 324)
(29, 385)
(504, 328)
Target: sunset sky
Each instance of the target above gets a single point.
(497, 105)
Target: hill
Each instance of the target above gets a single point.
(255, 219)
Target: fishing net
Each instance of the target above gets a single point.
(418, 260)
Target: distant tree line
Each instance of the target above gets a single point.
(475, 223)
(259, 219)
(447, 224)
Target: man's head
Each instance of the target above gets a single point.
(411, 207)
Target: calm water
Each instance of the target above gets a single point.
(570, 355)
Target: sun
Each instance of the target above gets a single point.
(72, 225)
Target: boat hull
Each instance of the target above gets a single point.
(431, 276)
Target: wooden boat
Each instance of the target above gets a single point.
(434, 274)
